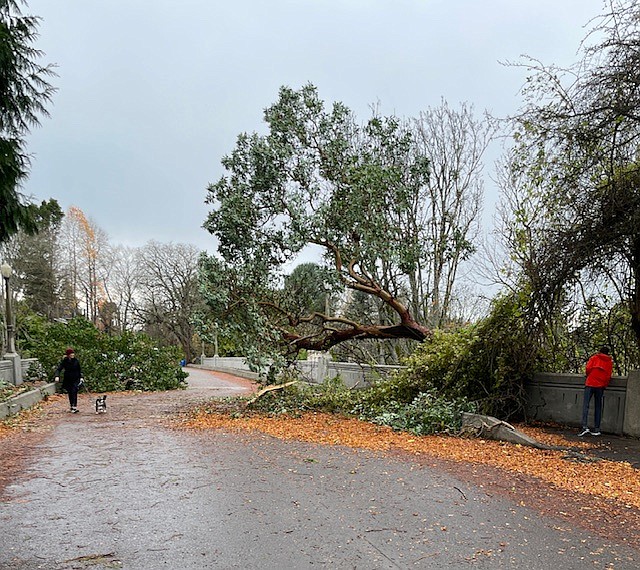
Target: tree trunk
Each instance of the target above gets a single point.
(635, 302)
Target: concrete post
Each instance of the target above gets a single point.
(631, 424)
(11, 353)
(322, 368)
(16, 366)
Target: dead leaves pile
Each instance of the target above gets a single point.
(616, 481)
(24, 421)
(27, 420)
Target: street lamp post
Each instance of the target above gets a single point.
(215, 346)
(11, 354)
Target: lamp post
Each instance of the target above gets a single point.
(6, 271)
(11, 354)
(215, 345)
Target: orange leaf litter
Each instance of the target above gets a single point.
(608, 479)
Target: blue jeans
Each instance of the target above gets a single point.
(598, 396)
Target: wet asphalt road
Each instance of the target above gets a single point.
(123, 490)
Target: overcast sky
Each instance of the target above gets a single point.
(153, 93)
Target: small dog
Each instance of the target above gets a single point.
(101, 404)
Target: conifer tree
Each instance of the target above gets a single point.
(24, 93)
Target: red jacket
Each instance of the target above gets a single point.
(599, 370)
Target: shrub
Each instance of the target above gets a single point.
(121, 362)
(486, 363)
(437, 364)
(428, 413)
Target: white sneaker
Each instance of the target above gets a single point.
(74, 410)
(596, 432)
(584, 432)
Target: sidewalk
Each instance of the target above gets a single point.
(127, 490)
(606, 446)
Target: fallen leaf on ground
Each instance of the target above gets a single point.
(608, 479)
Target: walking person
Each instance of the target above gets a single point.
(599, 369)
(72, 379)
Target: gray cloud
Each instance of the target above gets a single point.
(153, 94)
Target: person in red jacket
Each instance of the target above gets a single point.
(599, 369)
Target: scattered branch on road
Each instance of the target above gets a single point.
(268, 389)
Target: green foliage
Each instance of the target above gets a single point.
(428, 413)
(507, 352)
(24, 92)
(438, 363)
(37, 274)
(486, 364)
(425, 414)
(305, 290)
(125, 361)
(36, 371)
(30, 329)
(319, 179)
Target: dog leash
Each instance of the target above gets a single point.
(83, 384)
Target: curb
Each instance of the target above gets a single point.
(24, 401)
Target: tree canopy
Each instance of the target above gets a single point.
(357, 195)
(573, 173)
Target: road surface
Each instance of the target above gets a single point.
(127, 490)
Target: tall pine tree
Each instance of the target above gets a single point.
(24, 93)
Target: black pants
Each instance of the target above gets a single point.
(72, 391)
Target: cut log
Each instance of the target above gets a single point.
(493, 428)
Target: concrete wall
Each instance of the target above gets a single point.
(558, 398)
(632, 405)
(353, 374)
(26, 400)
(7, 374)
(6, 371)
(230, 364)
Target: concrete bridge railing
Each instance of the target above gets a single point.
(558, 398)
(315, 370)
(8, 372)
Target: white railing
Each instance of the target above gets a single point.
(315, 370)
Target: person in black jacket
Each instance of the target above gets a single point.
(72, 377)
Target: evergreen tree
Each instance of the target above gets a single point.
(24, 92)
